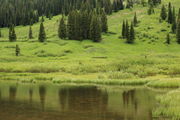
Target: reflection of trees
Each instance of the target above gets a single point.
(63, 94)
(12, 93)
(0, 94)
(42, 94)
(84, 99)
(129, 98)
(30, 95)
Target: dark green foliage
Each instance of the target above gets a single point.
(151, 10)
(129, 4)
(127, 31)
(168, 39)
(71, 25)
(17, 50)
(143, 2)
(12, 34)
(178, 32)
(62, 29)
(95, 28)
(104, 24)
(163, 13)
(154, 2)
(174, 24)
(124, 29)
(85, 24)
(42, 34)
(30, 33)
(170, 14)
(107, 6)
(42, 19)
(27, 12)
(0, 33)
(131, 35)
(135, 21)
(118, 5)
(179, 14)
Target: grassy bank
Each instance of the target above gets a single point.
(169, 106)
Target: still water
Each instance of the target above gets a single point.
(74, 102)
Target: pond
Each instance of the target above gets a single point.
(47, 101)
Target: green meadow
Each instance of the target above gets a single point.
(149, 62)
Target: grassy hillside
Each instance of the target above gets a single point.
(148, 58)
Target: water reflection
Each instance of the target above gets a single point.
(30, 95)
(63, 94)
(42, 95)
(82, 99)
(48, 102)
(12, 93)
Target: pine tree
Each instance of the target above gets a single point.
(42, 19)
(127, 31)
(170, 14)
(17, 50)
(0, 33)
(178, 32)
(104, 24)
(163, 13)
(30, 33)
(95, 29)
(71, 25)
(42, 34)
(107, 6)
(174, 24)
(168, 39)
(115, 7)
(135, 20)
(62, 29)
(12, 34)
(151, 10)
(124, 29)
(131, 35)
(85, 24)
(179, 15)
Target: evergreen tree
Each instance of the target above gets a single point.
(17, 51)
(131, 35)
(143, 2)
(104, 24)
(42, 19)
(115, 7)
(163, 13)
(107, 6)
(71, 25)
(127, 31)
(151, 10)
(12, 34)
(174, 24)
(178, 32)
(170, 14)
(95, 29)
(0, 33)
(62, 29)
(168, 39)
(124, 29)
(42, 34)
(85, 24)
(179, 15)
(135, 20)
(30, 33)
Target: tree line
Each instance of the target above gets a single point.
(27, 12)
(169, 15)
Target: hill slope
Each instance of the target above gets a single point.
(149, 57)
